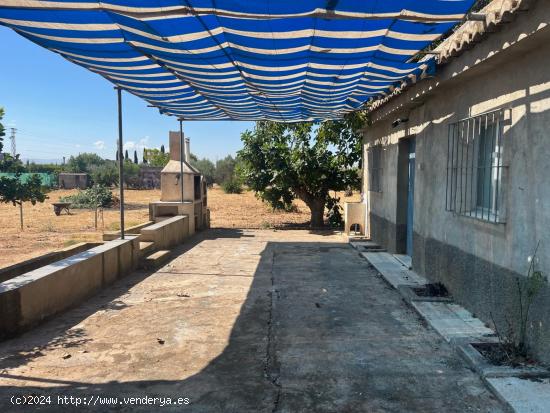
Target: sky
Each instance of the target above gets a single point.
(61, 109)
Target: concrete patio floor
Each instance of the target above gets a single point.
(245, 321)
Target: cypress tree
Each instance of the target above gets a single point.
(126, 157)
(135, 158)
(161, 148)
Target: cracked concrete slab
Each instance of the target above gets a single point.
(246, 321)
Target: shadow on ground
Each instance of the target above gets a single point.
(315, 331)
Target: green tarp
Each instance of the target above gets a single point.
(48, 180)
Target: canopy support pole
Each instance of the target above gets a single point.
(181, 157)
(120, 162)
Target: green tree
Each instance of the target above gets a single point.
(126, 157)
(157, 158)
(162, 150)
(105, 174)
(13, 190)
(144, 157)
(281, 162)
(136, 161)
(84, 162)
(206, 167)
(225, 169)
(131, 175)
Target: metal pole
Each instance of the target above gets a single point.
(181, 157)
(120, 162)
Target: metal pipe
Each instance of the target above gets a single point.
(181, 157)
(120, 162)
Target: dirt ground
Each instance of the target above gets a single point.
(45, 232)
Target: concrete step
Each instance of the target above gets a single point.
(367, 246)
(146, 248)
(155, 260)
(374, 249)
(392, 270)
(451, 321)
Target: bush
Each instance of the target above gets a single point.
(131, 175)
(105, 175)
(225, 170)
(232, 186)
(206, 168)
(94, 197)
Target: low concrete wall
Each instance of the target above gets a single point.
(167, 233)
(135, 230)
(36, 295)
(14, 270)
(160, 210)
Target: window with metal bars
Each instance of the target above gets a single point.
(474, 167)
(375, 168)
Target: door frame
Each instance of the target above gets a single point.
(402, 195)
(410, 193)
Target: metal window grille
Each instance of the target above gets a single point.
(474, 167)
(375, 168)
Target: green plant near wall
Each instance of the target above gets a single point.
(528, 288)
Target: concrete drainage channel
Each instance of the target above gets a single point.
(522, 389)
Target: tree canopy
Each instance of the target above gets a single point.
(281, 162)
(225, 169)
(155, 157)
(85, 162)
(206, 167)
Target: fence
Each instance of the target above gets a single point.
(48, 180)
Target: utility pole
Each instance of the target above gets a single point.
(12, 138)
(120, 161)
(182, 142)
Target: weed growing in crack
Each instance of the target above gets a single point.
(514, 344)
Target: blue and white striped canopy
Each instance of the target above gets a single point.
(282, 60)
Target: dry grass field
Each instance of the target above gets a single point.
(45, 232)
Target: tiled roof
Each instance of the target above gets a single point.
(496, 13)
(471, 32)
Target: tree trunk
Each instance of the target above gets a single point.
(21, 214)
(317, 208)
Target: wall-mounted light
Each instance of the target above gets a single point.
(398, 121)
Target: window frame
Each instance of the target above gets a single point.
(374, 152)
(466, 161)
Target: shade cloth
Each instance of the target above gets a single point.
(282, 60)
